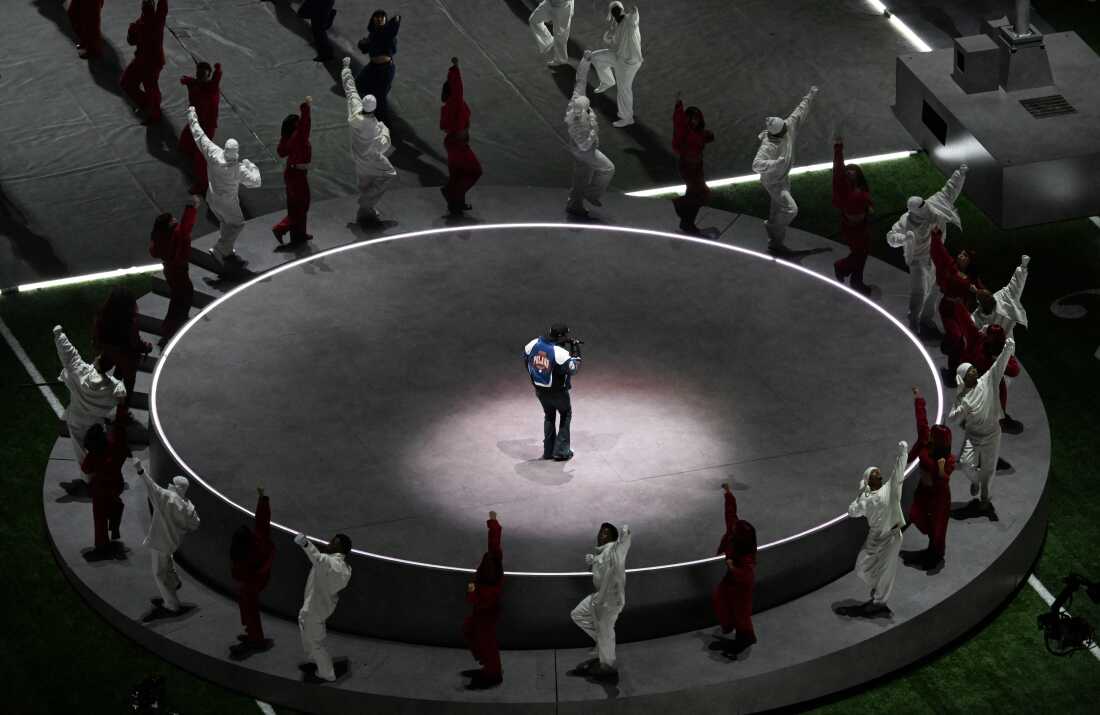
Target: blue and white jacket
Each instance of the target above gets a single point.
(550, 366)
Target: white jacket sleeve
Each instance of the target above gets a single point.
(898, 475)
(998, 370)
(896, 236)
(858, 507)
(191, 518)
(355, 104)
(209, 149)
(761, 163)
(312, 552)
(951, 190)
(71, 361)
(156, 493)
(959, 411)
(580, 86)
(799, 114)
(249, 173)
(1019, 279)
(622, 544)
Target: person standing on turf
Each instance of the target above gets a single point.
(328, 576)
(141, 78)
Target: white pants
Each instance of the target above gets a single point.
(230, 220)
(599, 623)
(592, 172)
(922, 296)
(604, 61)
(877, 563)
(781, 212)
(978, 459)
(562, 19)
(313, 636)
(371, 188)
(168, 581)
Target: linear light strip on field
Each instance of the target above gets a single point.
(85, 278)
(900, 26)
(748, 178)
(266, 277)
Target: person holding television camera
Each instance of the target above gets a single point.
(551, 362)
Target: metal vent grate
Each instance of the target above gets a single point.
(1043, 107)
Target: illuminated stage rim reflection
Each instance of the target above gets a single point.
(191, 474)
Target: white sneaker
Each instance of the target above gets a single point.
(622, 123)
(603, 88)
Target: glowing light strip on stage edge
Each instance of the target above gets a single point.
(266, 276)
(85, 278)
(748, 178)
(900, 26)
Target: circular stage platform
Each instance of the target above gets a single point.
(377, 388)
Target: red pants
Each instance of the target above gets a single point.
(697, 193)
(481, 637)
(929, 512)
(249, 603)
(187, 147)
(180, 293)
(84, 16)
(297, 204)
(954, 338)
(140, 82)
(107, 508)
(733, 605)
(858, 238)
(464, 170)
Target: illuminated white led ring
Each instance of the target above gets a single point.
(265, 276)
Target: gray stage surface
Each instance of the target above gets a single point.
(380, 392)
(82, 180)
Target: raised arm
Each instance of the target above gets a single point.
(998, 370)
(70, 359)
(1019, 279)
(580, 83)
(924, 434)
(898, 475)
(311, 550)
(187, 222)
(249, 174)
(842, 187)
(954, 186)
(799, 114)
(216, 79)
(162, 11)
(355, 103)
(729, 505)
(679, 127)
(210, 150)
(959, 410)
(305, 122)
(941, 259)
(263, 518)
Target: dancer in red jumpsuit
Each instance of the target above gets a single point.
(957, 279)
(107, 452)
(204, 94)
(689, 137)
(171, 243)
(252, 554)
(116, 335)
(462, 164)
(84, 16)
(140, 80)
(931, 505)
(294, 145)
(852, 196)
(733, 596)
(480, 627)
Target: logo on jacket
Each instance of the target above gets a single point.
(541, 361)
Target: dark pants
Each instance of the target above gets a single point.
(555, 438)
(107, 509)
(320, 38)
(249, 604)
(376, 79)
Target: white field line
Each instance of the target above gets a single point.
(1048, 599)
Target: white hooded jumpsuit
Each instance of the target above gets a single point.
(93, 396)
(877, 563)
(329, 575)
(592, 170)
(773, 162)
(1009, 310)
(173, 517)
(597, 613)
(624, 56)
(227, 172)
(979, 410)
(370, 145)
(937, 210)
(559, 13)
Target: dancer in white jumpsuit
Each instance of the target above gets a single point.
(913, 233)
(1004, 308)
(618, 64)
(597, 613)
(773, 162)
(94, 396)
(977, 407)
(227, 172)
(370, 145)
(173, 517)
(880, 501)
(328, 576)
(559, 13)
(592, 170)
